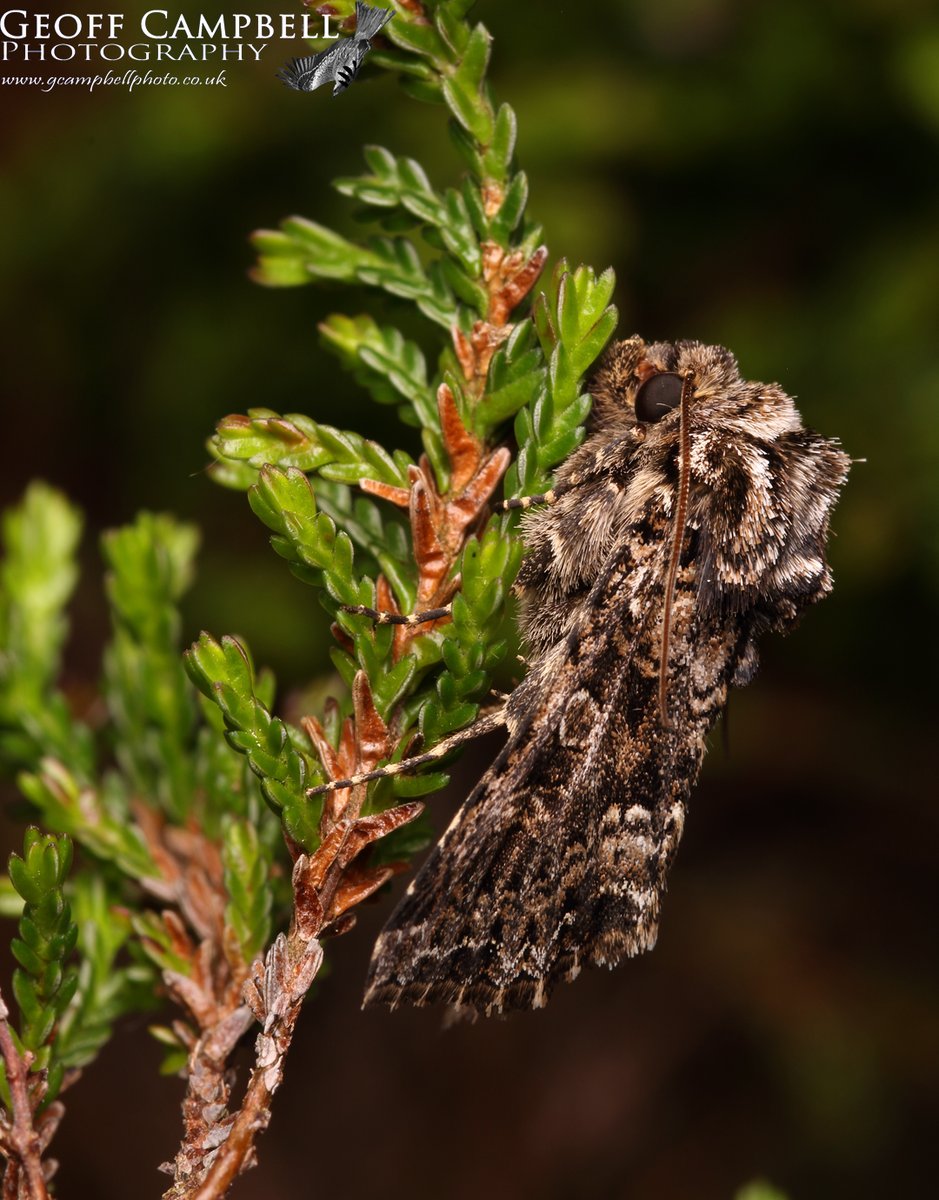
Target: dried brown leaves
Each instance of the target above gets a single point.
(441, 522)
(508, 277)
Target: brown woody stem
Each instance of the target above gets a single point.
(252, 1118)
(24, 1178)
(255, 1112)
(326, 885)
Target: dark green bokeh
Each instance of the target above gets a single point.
(760, 175)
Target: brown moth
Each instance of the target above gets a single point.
(693, 518)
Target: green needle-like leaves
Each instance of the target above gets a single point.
(175, 766)
(516, 379)
(391, 368)
(244, 444)
(574, 319)
(303, 251)
(464, 87)
(247, 867)
(476, 638)
(151, 702)
(39, 572)
(96, 816)
(107, 988)
(177, 812)
(224, 672)
(37, 576)
(495, 365)
(45, 981)
(402, 182)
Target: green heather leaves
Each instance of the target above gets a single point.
(480, 263)
(152, 708)
(475, 641)
(516, 377)
(224, 672)
(247, 867)
(174, 762)
(39, 572)
(323, 555)
(244, 444)
(307, 539)
(464, 87)
(303, 250)
(574, 319)
(107, 988)
(389, 367)
(393, 371)
(45, 980)
(401, 182)
(37, 576)
(95, 816)
(149, 698)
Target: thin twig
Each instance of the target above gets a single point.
(21, 1142)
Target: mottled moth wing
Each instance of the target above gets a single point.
(559, 856)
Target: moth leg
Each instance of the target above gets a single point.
(549, 497)
(390, 618)
(486, 723)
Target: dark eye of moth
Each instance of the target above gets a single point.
(658, 396)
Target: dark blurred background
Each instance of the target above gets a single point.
(761, 175)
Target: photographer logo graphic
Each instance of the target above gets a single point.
(339, 64)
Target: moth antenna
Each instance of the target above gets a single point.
(681, 515)
(390, 618)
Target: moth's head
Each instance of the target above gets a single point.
(639, 383)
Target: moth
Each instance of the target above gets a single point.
(339, 64)
(693, 519)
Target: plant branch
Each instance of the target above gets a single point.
(24, 1178)
(498, 363)
(326, 886)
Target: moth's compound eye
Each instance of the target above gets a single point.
(658, 396)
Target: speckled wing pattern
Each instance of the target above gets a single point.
(559, 857)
